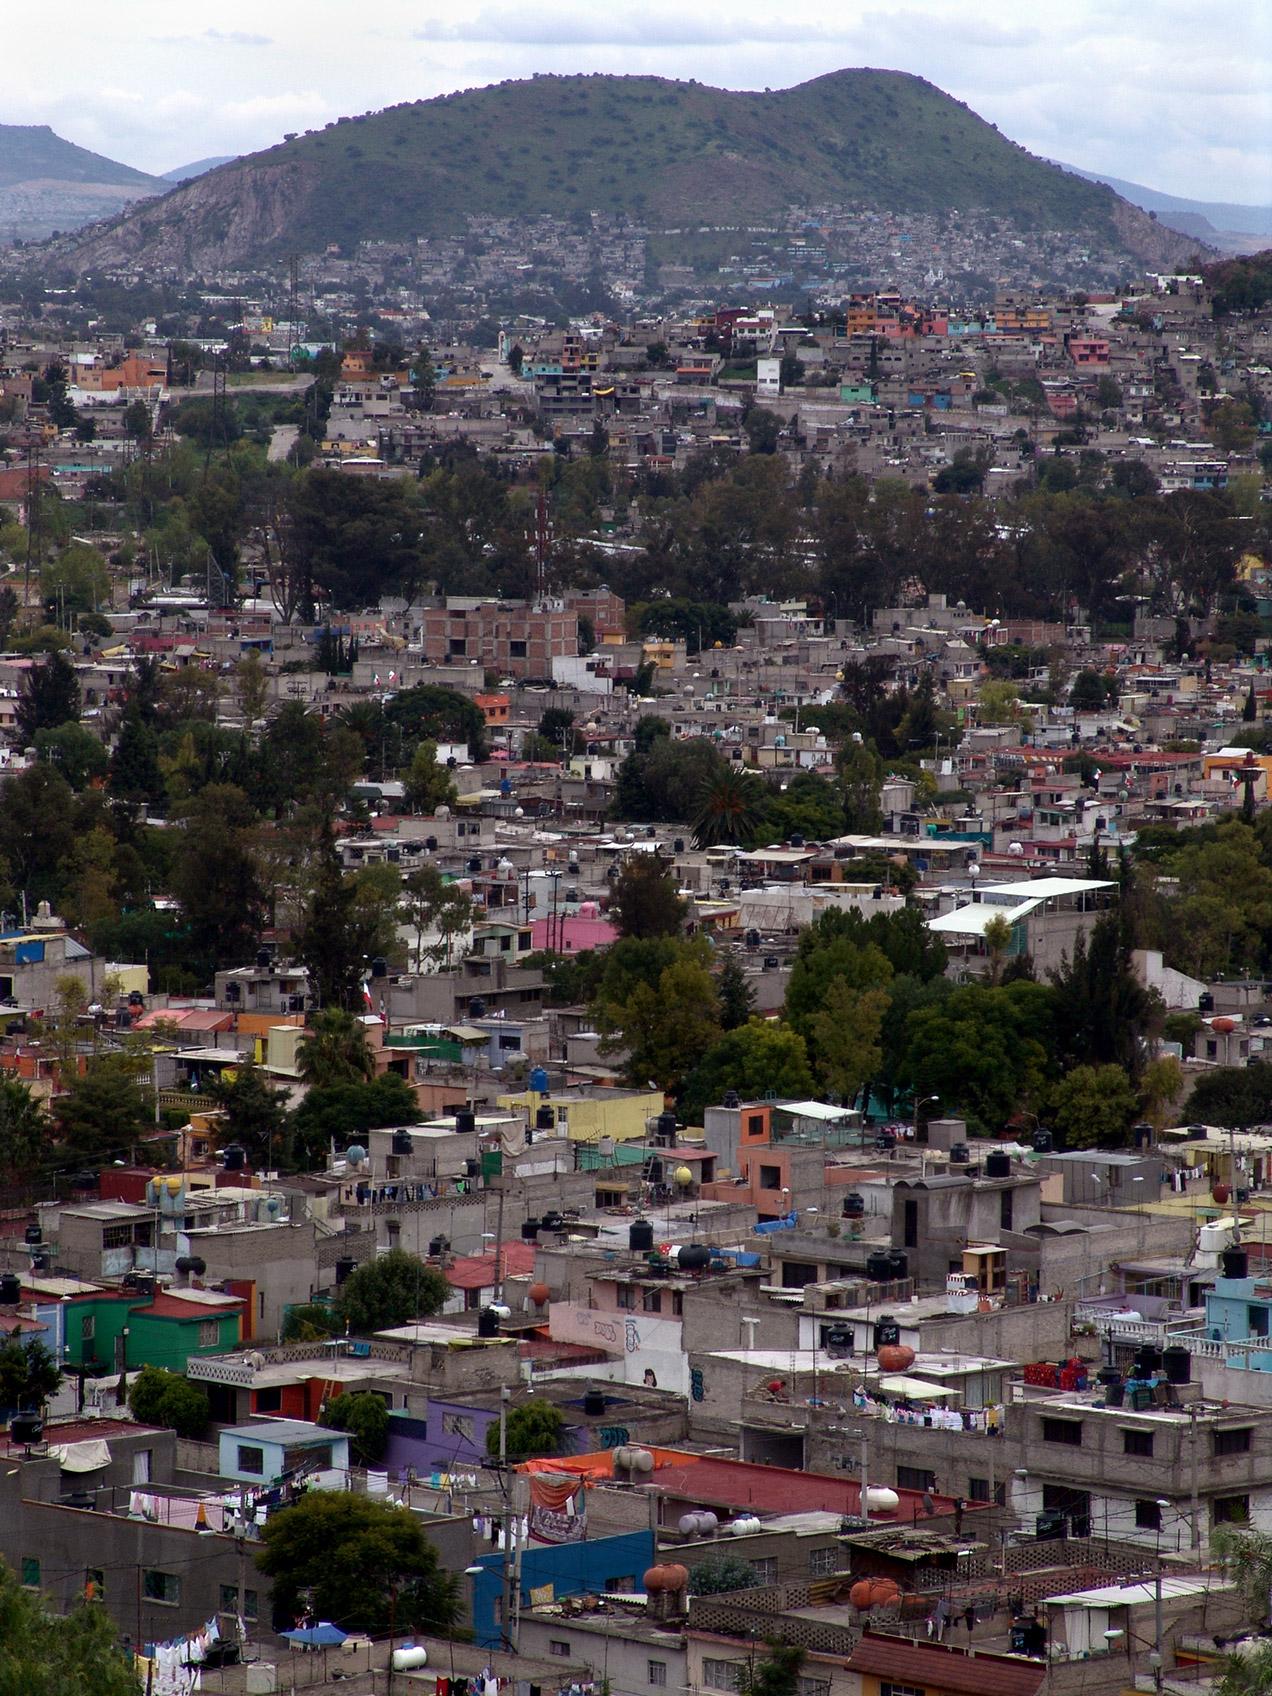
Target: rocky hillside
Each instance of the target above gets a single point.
(664, 152)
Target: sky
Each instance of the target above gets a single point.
(1173, 94)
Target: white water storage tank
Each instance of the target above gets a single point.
(881, 1500)
(1212, 1238)
(406, 1659)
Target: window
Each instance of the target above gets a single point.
(813, 1687)
(209, 1333)
(458, 1425)
(822, 1562)
(94, 1582)
(1231, 1510)
(770, 1177)
(117, 1236)
(1004, 1210)
(31, 1572)
(269, 1401)
(658, 1673)
(766, 1570)
(1257, 1320)
(1233, 1442)
(721, 1675)
(559, 1646)
(915, 1478)
(230, 1602)
(887, 1688)
(159, 1586)
(755, 1125)
(651, 1301)
(1063, 1431)
(626, 1296)
(516, 650)
(88, 1327)
(1148, 1516)
(251, 1459)
(1137, 1443)
(910, 1230)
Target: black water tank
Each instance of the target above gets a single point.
(1177, 1365)
(593, 1403)
(1043, 1141)
(183, 1264)
(10, 1289)
(402, 1143)
(694, 1257)
(476, 1008)
(878, 1268)
(235, 1158)
(344, 1266)
(898, 1264)
(1205, 1002)
(1235, 1263)
(33, 1234)
(529, 1230)
(545, 1119)
(553, 1220)
(1049, 1526)
(262, 959)
(436, 1247)
(887, 1331)
(731, 1099)
(487, 1323)
(840, 1340)
(1148, 1360)
(1142, 1134)
(26, 1428)
(960, 1154)
(667, 1129)
(854, 1205)
(998, 1165)
(465, 1120)
(640, 1236)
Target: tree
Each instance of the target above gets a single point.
(73, 751)
(758, 1058)
(341, 1112)
(644, 901)
(981, 1051)
(736, 996)
(534, 1428)
(159, 1397)
(428, 784)
(334, 937)
(29, 1375)
(49, 696)
(730, 808)
(861, 776)
(358, 1562)
(1102, 1012)
(135, 773)
(846, 1035)
(1245, 1556)
(829, 951)
(776, 1673)
(1235, 1096)
(24, 1130)
(334, 1050)
(48, 1654)
(310, 1322)
(1093, 1106)
(1247, 1671)
(998, 934)
(391, 1290)
(104, 1113)
(1160, 1087)
(365, 1418)
(719, 1574)
(216, 877)
(251, 680)
(666, 1030)
(255, 1113)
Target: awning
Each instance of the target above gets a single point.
(916, 1389)
(89, 1456)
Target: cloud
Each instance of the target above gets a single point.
(523, 27)
(218, 38)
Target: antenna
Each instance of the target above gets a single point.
(542, 545)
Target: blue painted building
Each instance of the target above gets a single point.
(1240, 1308)
(572, 1569)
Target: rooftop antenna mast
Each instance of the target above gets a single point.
(542, 545)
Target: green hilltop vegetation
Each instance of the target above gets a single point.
(33, 153)
(666, 153)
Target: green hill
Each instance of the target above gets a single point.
(664, 152)
(33, 153)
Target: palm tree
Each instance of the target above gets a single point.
(334, 1050)
(1247, 1672)
(730, 810)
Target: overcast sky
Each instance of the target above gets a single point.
(1175, 94)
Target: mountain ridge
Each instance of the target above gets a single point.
(661, 152)
(48, 183)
